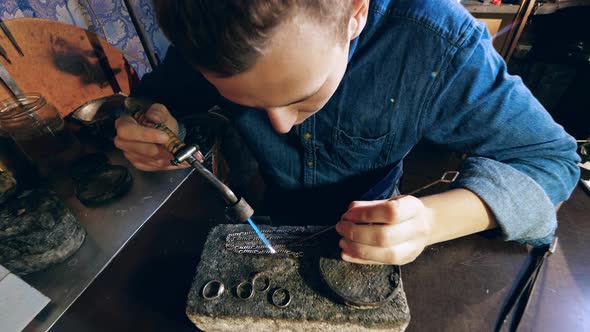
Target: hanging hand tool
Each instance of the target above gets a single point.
(11, 37)
(10, 82)
(447, 177)
(236, 207)
(4, 54)
(5, 77)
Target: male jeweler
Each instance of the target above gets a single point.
(331, 95)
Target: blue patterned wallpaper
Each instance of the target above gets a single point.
(112, 14)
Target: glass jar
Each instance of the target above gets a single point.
(38, 129)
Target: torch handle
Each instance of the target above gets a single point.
(174, 143)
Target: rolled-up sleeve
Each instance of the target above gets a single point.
(524, 163)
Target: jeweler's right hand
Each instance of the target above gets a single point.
(141, 145)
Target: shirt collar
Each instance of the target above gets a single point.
(376, 9)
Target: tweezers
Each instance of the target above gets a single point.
(10, 37)
(520, 297)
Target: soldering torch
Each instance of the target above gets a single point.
(236, 207)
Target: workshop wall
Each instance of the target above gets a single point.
(111, 14)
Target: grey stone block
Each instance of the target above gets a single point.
(37, 230)
(313, 306)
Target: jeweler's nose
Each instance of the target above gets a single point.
(282, 119)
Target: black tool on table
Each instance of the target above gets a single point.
(520, 296)
(10, 37)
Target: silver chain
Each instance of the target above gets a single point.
(247, 242)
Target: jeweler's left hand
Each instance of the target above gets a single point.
(398, 231)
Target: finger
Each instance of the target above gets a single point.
(128, 129)
(158, 113)
(384, 211)
(379, 235)
(137, 159)
(148, 150)
(153, 165)
(150, 168)
(399, 254)
(347, 258)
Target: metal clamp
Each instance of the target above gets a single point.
(212, 290)
(261, 279)
(185, 153)
(244, 290)
(280, 297)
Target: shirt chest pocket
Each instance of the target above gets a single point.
(359, 153)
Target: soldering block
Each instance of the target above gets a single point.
(313, 306)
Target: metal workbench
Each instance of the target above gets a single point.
(108, 228)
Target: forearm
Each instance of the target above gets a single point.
(456, 213)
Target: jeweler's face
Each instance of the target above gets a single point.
(294, 78)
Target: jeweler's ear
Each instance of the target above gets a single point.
(358, 18)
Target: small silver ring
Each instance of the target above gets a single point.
(265, 282)
(245, 290)
(209, 291)
(276, 299)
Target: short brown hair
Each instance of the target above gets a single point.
(226, 36)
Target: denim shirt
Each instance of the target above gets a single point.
(419, 70)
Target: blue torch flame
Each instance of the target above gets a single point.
(262, 237)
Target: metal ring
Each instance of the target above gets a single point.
(265, 282)
(244, 290)
(276, 297)
(212, 290)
